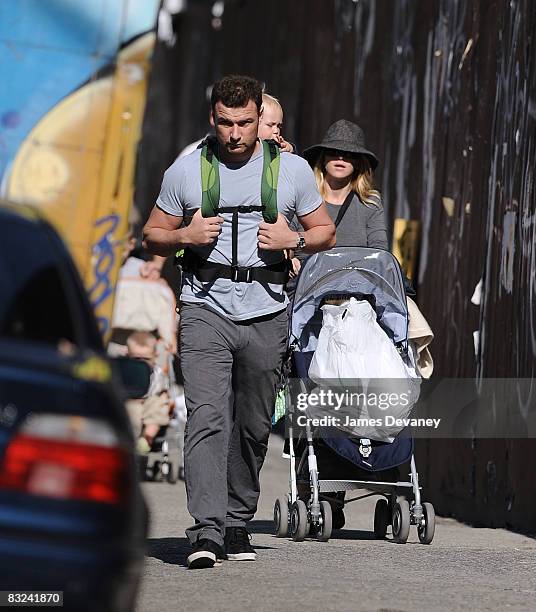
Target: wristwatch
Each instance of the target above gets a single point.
(300, 243)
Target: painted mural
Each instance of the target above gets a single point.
(75, 79)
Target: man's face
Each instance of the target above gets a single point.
(236, 129)
(271, 122)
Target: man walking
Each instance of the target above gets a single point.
(236, 196)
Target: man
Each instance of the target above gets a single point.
(233, 327)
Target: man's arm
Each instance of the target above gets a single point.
(162, 234)
(319, 232)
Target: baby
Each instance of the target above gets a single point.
(271, 122)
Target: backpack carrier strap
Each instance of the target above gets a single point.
(207, 271)
(210, 182)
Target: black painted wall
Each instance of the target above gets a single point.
(446, 93)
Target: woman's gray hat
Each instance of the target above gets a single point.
(344, 136)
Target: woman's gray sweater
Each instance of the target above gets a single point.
(361, 225)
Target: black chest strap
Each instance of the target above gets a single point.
(209, 271)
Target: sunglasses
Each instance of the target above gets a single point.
(337, 153)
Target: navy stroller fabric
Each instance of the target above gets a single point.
(384, 456)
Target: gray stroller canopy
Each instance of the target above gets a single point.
(349, 271)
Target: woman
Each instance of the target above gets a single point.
(343, 168)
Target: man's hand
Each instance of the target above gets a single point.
(276, 236)
(203, 231)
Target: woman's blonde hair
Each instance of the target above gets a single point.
(360, 183)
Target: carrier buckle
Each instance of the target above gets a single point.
(241, 275)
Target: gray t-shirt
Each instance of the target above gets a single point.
(240, 185)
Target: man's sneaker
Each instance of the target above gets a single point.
(237, 545)
(205, 553)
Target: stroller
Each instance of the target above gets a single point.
(342, 273)
(143, 305)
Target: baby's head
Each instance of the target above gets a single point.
(142, 345)
(271, 120)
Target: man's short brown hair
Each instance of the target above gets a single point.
(235, 91)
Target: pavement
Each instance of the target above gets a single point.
(465, 568)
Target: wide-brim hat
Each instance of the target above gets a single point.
(344, 136)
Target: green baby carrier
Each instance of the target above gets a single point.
(207, 271)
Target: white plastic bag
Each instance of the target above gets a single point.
(356, 360)
(352, 346)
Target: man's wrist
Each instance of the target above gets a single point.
(300, 242)
(183, 236)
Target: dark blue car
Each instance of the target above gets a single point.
(72, 517)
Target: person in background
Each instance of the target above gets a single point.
(147, 415)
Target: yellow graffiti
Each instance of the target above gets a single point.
(77, 164)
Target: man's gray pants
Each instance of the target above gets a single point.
(230, 371)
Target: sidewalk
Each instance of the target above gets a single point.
(464, 569)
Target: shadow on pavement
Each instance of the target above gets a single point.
(169, 550)
(267, 527)
(352, 534)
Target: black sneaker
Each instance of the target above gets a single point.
(205, 553)
(237, 545)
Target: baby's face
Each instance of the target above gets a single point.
(270, 123)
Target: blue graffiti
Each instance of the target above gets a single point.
(103, 249)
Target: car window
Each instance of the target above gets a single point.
(35, 303)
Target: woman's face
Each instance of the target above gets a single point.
(339, 164)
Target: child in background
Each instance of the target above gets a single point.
(147, 415)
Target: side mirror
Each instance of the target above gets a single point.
(134, 374)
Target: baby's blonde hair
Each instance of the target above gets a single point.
(268, 100)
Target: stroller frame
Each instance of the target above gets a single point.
(400, 504)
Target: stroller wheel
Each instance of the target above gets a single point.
(156, 473)
(181, 473)
(324, 531)
(141, 466)
(401, 521)
(281, 517)
(170, 476)
(426, 529)
(298, 521)
(381, 519)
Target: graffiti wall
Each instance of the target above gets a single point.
(74, 76)
(446, 93)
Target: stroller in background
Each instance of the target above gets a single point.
(149, 306)
(373, 275)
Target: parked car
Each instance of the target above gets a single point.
(72, 516)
